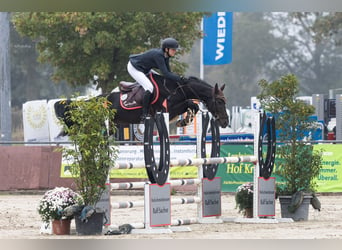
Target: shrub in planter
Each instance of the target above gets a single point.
(300, 163)
(244, 198)
(93, 152)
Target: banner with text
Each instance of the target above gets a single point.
(135, 153)
(232, 174)
(217, 40)
(330, 176)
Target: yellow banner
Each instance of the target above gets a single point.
(329, 179)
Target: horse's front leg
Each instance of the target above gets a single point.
(189, 117)
(193, 106)
(188, 107)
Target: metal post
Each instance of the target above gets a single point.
(5, 79)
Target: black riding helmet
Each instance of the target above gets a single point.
(169, 43)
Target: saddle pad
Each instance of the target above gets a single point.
(131, 98)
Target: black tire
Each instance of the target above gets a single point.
(210, 170)
(266, 166)
(157, 174)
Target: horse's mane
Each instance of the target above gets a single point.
(196, 79)
(190, 78)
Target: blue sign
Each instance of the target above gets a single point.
(217, 40)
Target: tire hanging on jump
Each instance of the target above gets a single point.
(266, 166)
(157, 174)
(210, 170)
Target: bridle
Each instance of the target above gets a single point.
(183, 87)
(180, 87)
(214, 101)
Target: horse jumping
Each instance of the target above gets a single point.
(179, 99)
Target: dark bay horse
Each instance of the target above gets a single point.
(179, 99)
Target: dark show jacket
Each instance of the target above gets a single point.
(153, 58)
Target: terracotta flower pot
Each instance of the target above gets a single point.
(61, 227)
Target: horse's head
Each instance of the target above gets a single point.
(217, 106)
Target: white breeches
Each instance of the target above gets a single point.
(140, 77)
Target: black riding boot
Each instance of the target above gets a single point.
(146, 105)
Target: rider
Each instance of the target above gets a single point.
(139, 65)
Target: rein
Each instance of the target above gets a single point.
(181, 88)
(184, 88)
(174, 92)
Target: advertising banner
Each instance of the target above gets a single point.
(217, 41)
(135, 153)
(232, 174)
(266, 201)
(329, 179)
(211, 193)
(235, 174)
(158, 206)
(35, 122)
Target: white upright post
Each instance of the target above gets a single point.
(147, 207)
(199, 155)
(256, 166)
(167, 120)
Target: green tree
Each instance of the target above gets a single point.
(82, 44)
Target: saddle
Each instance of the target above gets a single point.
(131, 94)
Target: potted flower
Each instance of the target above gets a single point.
(52, 205)
(299, 164)
(244, 199)
(91, 157)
